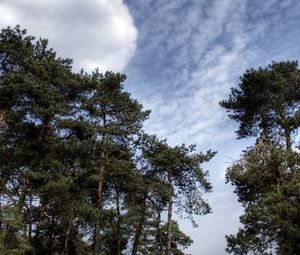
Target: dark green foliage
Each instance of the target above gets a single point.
(33, 99)
(268, 184)
(182, 165)
(72, 178)
(266, 178)
(178, 168)
(266, 103)
(150, 243)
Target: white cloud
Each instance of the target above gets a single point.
(198, 50)
(95, 33)
(190, 53)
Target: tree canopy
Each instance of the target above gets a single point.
(77, 175)
(267, 176)
(266, 102)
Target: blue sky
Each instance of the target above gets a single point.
(181, 57)
(189, 54)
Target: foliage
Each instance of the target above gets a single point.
(266, 178)
(179, 169)
(76, 175)
(150, 244)
(266, 102)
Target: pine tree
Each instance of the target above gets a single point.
(179, 168)
(32, 95)
(266, 102)
(115, 120)
(77, 176)
(266, 178)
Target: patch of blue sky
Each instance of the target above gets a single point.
(189, 54)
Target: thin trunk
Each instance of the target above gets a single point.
(51, 235)
(288, 142)
(137, 236)
(265, 131)
(161, 250)
(139, 228)
(103, 157)
(67, 238)
(10, 239)
(30, 218)
(287, 131)
(169, 223)
(118, 223)
(2, 117)
(3, 190)
(40, 221)
(158, 230)
(22, 196)
(3, 180)
(99, 203)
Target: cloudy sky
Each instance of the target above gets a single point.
(181, 57)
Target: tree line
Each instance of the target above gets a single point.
(79, 175)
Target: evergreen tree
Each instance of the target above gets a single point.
(179, 168)
(266, 102)
(267, 183)
(115, 120)
(75, 176)
(150, 244)
(32, 99)
(266, 178)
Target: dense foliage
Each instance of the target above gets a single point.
(267, 176)
(77, 173)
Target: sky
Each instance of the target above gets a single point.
(181, 57)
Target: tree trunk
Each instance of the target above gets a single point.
(118, 223)
(67, 238)
(265, 127)
(161, 250)
(3, 188)
(103, 157)
(51, 235)
(169, 224)
(41, 220)
(139, 228)
(137, 236)
(22, 197)
(287, 135)
(2, 117)
(99, 204)
(30, 218)
(287, 131)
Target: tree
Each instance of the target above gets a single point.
(267, 183)
(65, 138)
(179, 168)
(266, 104)
(77, 175)
(146, 208)
(150, 243)
(115, 119)
(33, 84)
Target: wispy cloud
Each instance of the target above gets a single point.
(185, 55)
(190, 53)
(94, 33)
(193, 65)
